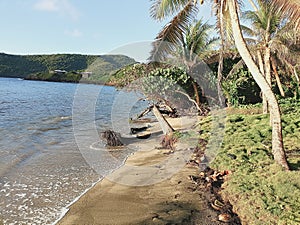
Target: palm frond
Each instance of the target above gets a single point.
(171, 36)
(248, 31)
(212, 43)
(197, 38)
(239, 65)
(251, 41)
(290, 9)
(163, 8)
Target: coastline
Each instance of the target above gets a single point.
(133, 196)
(124, 197)
(65, 210)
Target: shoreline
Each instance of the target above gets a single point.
(128, 197)
(139, 158)
(66, 209)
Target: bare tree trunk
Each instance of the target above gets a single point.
(277, 141)
(165, 126)
(262, 70)
(273, 63)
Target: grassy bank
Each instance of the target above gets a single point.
(260, 191)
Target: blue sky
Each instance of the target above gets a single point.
(76, 26)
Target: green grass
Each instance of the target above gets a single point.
(259, 189)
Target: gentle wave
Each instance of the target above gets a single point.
(42, 171)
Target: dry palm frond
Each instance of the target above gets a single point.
(290, 9)
(223, 24)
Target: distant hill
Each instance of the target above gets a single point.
(42, 66)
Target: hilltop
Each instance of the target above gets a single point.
(42, 67)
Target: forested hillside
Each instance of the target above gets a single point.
(23, 66)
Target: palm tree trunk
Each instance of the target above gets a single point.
(277, 141)
(196, 93)
(268, 69)
(296, 75)
(221, 55)
(298, 86)
(165, 126)
(273, 63)
(262, 70)
(220, 76)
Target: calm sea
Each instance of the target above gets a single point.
(42, 169)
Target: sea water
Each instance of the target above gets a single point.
(42, 169)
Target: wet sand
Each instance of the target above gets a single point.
(144, 196)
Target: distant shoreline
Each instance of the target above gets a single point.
(82, 81)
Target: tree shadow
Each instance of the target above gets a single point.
(295, 165)
(172, 213)
(293, 157)
(184, 213)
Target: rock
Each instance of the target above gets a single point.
(224, 217)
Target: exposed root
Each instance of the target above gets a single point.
(112, 138)
(168, 141)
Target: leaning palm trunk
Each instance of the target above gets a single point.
(165, 126)
(277, 142)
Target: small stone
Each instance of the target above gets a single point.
(225, 217)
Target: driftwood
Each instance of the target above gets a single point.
(145, 112)
(163, 109)
(112, 138)
(168, 141)
(136, 130)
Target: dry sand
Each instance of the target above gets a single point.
(139, 193)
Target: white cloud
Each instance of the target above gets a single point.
(61, 6)
(47, 5)
(74, 33)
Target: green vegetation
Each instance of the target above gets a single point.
(259, 189)
(240, 88)
(40, 66)
(126, 75)
(66, 77)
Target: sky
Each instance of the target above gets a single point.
(76, 26)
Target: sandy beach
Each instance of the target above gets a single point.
(132, 195)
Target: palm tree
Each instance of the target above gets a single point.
(265, 23)
(188, 49)
(195, 43)
(277, 141)
(270, 33)
(178, 26)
